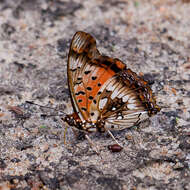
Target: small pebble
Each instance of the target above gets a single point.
(115, 148)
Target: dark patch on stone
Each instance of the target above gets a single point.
(8, 29)
(54, 136)
(163, 31)
(170, 38)
(62, 45)
(23, 6)
(171, 114)
(7, 126)
(31, 66)
(173, 122)
(72, 163)
(52, 183)
(61, 107)
(23, 146)
(164, 141)
(31, 157)
(136, 50)
(105, 6)
(33, 167)
(59, 92)
(131, 43)
(167, 48)
(23, 116)
(73, 176)
(6, 90)
(40, 94)
(112, 183)
(81, 135)
(15, 160)
(11, 179)
(149, 181)
(188, 93)
(150, 77)
(61, 8)
(184, 142)
(2, 164)
(143, 154)
(106, 37)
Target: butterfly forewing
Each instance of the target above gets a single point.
(83, 73)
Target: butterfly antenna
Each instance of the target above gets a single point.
(30, 102)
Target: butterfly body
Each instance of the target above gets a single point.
(105, 94)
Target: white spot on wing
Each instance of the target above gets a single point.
(131, 101)
(116, 91)
(113, 108)
(131, 106)
(110, 88)
(119, 117)
(95, 116)
(114, 94)
(125, 98)
(102, 103)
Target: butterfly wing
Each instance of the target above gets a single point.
(103, 89)
(85, 76)
(78, 63)
(120, 105)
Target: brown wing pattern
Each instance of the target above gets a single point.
(86, 75)
(103, 90)
(120, 105)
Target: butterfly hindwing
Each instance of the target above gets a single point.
(120, 105)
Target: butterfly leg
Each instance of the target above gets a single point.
(65, 132)
(114, 138)
(93, 146)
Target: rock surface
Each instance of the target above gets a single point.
(151, 37)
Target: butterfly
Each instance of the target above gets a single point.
(105, 94)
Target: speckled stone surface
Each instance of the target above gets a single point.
(151, 37)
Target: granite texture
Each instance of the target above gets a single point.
(151, 37)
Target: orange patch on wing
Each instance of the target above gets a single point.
(120, 64)
(103, 75)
